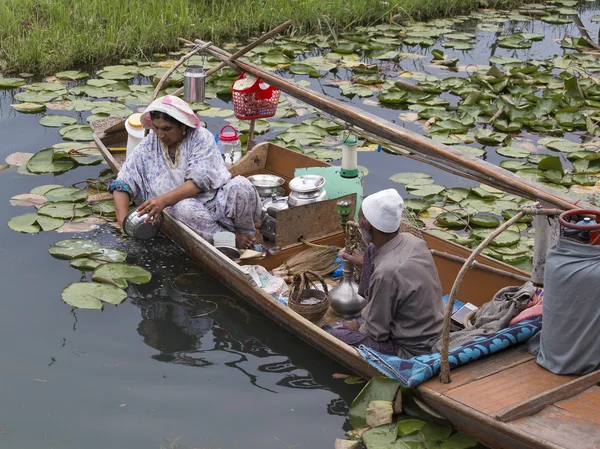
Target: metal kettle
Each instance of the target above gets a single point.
(194, 84)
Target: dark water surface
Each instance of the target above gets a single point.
(182, 362)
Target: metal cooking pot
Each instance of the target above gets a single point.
(300, 199)
(306, 189)
(134, 226)
(276, 202)
(266, 185)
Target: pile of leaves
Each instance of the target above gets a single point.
(110, 277)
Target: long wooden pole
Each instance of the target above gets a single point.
(411, 140)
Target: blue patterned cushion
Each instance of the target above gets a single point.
(415, 371)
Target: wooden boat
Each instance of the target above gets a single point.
(507, 385)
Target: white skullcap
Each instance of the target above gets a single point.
(384, 210)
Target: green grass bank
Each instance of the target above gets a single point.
(44, 36)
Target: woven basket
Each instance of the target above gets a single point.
(301, 289)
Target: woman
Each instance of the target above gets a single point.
(179, 168)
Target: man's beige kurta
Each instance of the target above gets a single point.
(405, 296)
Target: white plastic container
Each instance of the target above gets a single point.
(230, 144)
(135, 132)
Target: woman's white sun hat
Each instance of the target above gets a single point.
(384, 210)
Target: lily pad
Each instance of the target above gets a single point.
(514, 152)
(89, 295)
(380, 437)
(107, 255)
(41, 190)
(75, 248)
(484, 221)
(428, 190)
(377, 389)
(72, 75)
(67, 194)
(412, 178)
(54, 120)
(65, 210)
(10, 83)
(409, 426)
(77, 133)
(24, 223)
(43, 162)
(459, 441)
(489, 137)
(433, 433)
(49, 224)
(119, 274)
(452, 220)
(27, 199)
(29, 108)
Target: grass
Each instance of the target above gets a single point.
(45, 36)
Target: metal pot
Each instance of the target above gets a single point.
(266, 185)
(276, 202)
(134, 226)
(306, 189)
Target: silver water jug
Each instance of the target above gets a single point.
(194, 80)
(344, 298)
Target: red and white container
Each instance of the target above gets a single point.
(230, 144)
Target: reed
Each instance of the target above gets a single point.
(319, 260)
(44, 36)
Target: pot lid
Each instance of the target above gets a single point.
(307, 183)
(279, 203)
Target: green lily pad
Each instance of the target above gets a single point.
(66, 194)
(563, 145)
(409, 426)
(77, 133)
(457, 194)
(36, 97)
(26, 223)
(412, 178)
(119, 274)
(428, 190)
(65, 210)
(551, 163)
(41, 190)
(49, 224)
(380, 437)
(489, 137)
(302, 68)
(452, 220)
(514, 165)
(433, 433)
(28, 108)
(10, 83)
(484, 221)
(53, 120)
(75, 248)
(509, 213)
(89, 295)
(106, 255)
(71, 75)
(43, 162)
(442, 234)
(471, 151)
(377, 389)
(326, 154)
(514, 152)
(416, 204)
(458, 441)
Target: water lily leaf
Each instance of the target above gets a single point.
(385, 55)
(506, 238)
(556, 19)
(452, 220)
(302, 68)
(72, 75)
(28, 108)
(43, 162)
(326, 154)
(216, 112)
(471, 151)
(490, 27)
(66, 194)
(509, 213)
(514, 152)
(377, 389)
(458, 441)
(489, 137)
(416, 204)
(36, 97)
(458, 45)
(75, 248)
(41, 190)
(531, 173)
(49, 224)
(484, 221)
(412, 178)
(77, 133)
(563, 145)
(433, 433)
(275, 59)
(24, 223)
(27, 199)
(57, 121)
(457, 194)
(432, 189)
(442, 234)
(380, 437)
(89, 295)
(107, 255)
(409, 426)
(10, 83)
(514, 165)
(119, 274)
(551, 163)
(502, 60)
(18, 158)
(65, 210)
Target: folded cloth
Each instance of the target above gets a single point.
(493, 315)
(413, 372)
(534, 307)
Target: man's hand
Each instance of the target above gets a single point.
(355, 257)
(352, 325)
(153, 207)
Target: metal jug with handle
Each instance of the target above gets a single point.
(194, 84)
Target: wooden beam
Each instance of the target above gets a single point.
(548, 397)
(478, 266)
(411, 140)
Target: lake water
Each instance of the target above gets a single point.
(182, 361)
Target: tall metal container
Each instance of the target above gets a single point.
(194, 80)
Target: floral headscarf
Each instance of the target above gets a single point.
(173, 106)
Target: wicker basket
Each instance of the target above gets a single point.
(258, 101)
(301, 289)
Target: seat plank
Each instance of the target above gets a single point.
(562, 428)
(508, 387)
(482, 368)
(585, 404)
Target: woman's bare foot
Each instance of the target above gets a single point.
(244, 241)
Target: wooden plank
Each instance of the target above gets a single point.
(252, 162)
(562, 427)
(508, 387)
(309, 221)
(483, 368)
(285, 162)
(586, 404)
(538, 402)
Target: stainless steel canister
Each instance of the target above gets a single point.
(194, 79)
(134, 225)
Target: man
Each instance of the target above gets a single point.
(405, 312)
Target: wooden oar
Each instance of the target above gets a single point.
(484, 171)
(265, 37)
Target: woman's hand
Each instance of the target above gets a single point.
(153, 207)
(355, 257)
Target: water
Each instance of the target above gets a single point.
(183, 361)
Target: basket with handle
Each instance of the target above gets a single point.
(303, 289)
(258, 100)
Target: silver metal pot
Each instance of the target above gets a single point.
(300, 199)
(194, 80)
(266, 185)
(277, 202)
(134, 226)
(306, 189)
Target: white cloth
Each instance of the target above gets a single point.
(173, 106)
(384, 210)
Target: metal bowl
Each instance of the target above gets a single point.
(266, 185)
(134, 225)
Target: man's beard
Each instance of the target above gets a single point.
(367, 236)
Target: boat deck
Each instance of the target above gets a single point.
(509, 401)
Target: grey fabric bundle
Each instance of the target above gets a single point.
(493, 315)
(569, 341)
